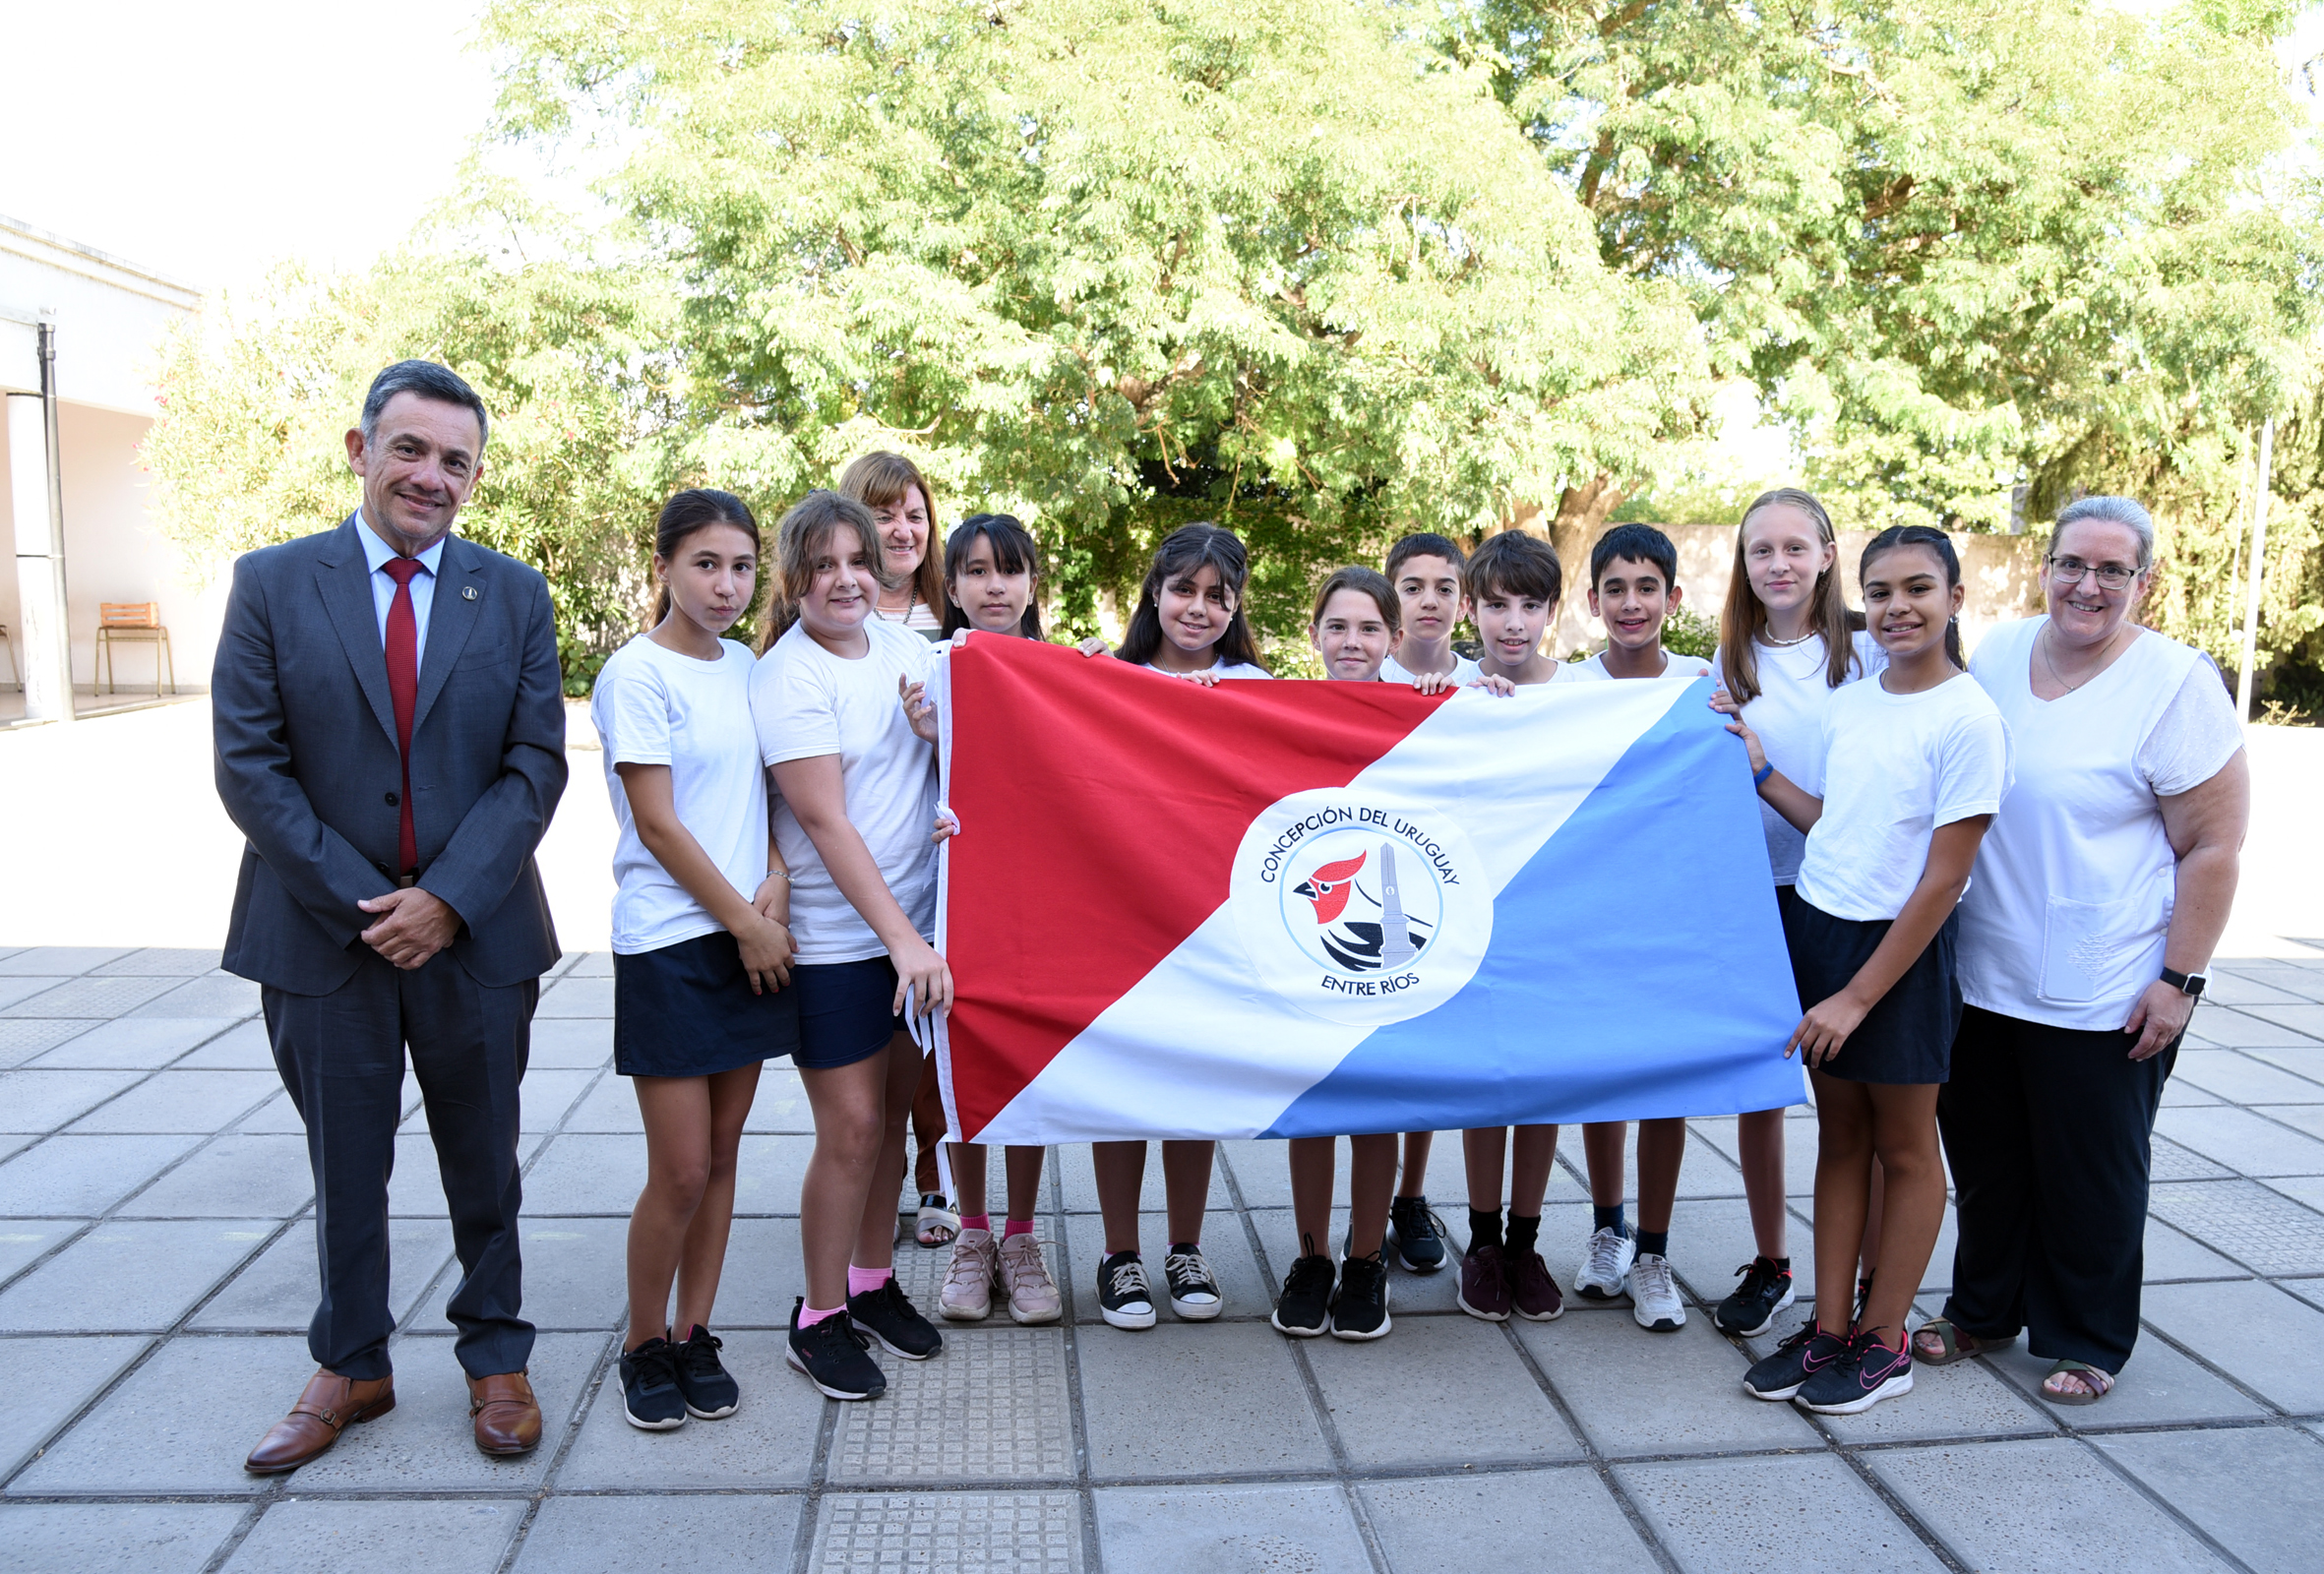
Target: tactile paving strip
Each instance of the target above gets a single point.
(93, 997)
(1034, 1532)
(2248, 1222)
(2174, 1163)
(990, 1406)
(25, 1037)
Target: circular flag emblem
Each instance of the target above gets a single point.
(1358, 911)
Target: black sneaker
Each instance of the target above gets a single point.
(650, 1388)
(1869, 1373)
(888, 1315)
(1304, 1310)
(1124, 1298)
(1765, 1291)
(833, 1357)
(1802, 1355)
(1418, 1233)
(1193, 1294)
(710, 1391)
(1360, 1311)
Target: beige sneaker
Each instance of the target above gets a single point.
(967, 1294)
(1032, 1294)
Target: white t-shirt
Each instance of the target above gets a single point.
(1896, 767)
(2076, 881)
(1788, 717)
(1675, 667)
(1464, 671)
(654, 706)
(1225, 669)
(807, 702)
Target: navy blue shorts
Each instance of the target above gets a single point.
(686, 1010)
(1908, 1036)
(845, 1012)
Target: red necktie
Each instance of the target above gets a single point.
(403, 690)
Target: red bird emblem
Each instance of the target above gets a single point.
(1329, 886)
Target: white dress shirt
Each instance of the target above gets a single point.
(383, 586)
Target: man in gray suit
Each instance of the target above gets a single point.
(391, 738)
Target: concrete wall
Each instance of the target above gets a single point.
(2003, 573)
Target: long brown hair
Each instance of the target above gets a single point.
(1744, 619)
(800, 536)
(1185, 551)
(882, 480)
(697, 508)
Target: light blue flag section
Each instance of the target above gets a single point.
(1636, 967)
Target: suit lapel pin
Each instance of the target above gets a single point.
(468, 593)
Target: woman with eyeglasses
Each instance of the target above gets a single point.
(2091, 915)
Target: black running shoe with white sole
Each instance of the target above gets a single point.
(834, 1356)
(1194, 1292)
(1123, 1296)
(1360, 1310)
(711, 1393)
(1304, 1310)
(1802, 1355)
(650, 1388)
(1765, 1291)
(1868, 1373)
(1418, 1233)
(888, 1315)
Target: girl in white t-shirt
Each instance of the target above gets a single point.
(855, 777)
(702, 951)
(1916, 764)
(1787, 643)
(912, 597)
(992, 573)
(1356, 619)
(1190, 623)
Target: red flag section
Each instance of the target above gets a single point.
(1100, 807)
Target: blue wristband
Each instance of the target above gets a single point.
(1760, 776)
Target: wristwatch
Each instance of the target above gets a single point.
(2188, 984)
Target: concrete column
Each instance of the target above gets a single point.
(35, 490)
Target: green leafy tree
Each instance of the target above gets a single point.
(570, 360)
(1114, 267)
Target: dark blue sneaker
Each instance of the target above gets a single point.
(650, 1388)
(1765, 1291)
(834, 1356)
(1805, 1355)
(710, 1391)
(1304, 1310)
(1418, 1233)
(1868, 1373)
(888, 1315)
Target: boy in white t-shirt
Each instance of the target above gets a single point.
(1431, 578)
(1633, 586)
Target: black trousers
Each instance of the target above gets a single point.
(2047, 1130)
(342, 1056)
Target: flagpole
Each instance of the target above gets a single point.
(2258, 570)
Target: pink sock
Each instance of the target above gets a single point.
(809, 1316)
(1017, 1226)
(860, 1280)
(977, 1221)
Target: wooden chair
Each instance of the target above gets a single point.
(139, 621)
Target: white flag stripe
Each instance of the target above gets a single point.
(1170, 1058)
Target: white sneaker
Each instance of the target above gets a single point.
(1654, 1295)
(1605, 1262)
(967, 1294)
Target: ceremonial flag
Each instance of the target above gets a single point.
(1302, 909)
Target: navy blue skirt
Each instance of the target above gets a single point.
(1908, 1038)
(686, 1010)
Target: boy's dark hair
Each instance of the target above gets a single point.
(1187, 550)
(1370, 582)
(1942, 546)
(1640, 543)
(1014, 552)
(1513, 563)
(1429, 544)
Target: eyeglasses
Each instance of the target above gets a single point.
(2068, 571)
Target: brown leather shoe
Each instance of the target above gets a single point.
(507, 1416)
(324, 1411)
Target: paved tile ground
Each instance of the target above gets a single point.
(156, 1272)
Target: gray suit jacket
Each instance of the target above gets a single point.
(308, 768)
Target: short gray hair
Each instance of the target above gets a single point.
(430, 382)
(2112, 511)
